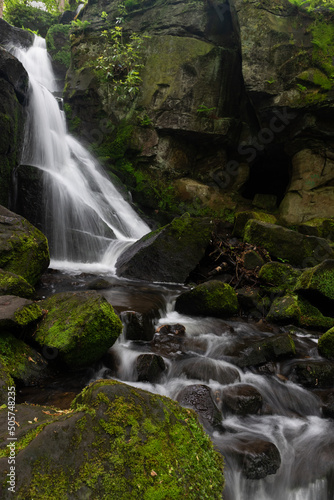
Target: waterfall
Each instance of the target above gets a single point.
(86, 220)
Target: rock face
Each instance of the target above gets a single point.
(139, 444)
(10, 34)
(12, 284)
(17, 313)
(23, 248)
(168, 254)
(81, 326)
(242, 104)
(13, 90)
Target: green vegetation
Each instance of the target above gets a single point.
(31, 18)
(58, 43)
(326, 344)
(311, 5)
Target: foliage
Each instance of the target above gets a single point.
(58, 43)
(50, 6)
(311, 5)
(27, 17)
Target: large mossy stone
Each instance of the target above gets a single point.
(212, 298)
(12, 284)
(317, 283)
(326, 344)
(18, 314)
(168, 254)
(282, 243)
(23, 248)
(278, 277)
(21, 361)
(118, 442)
(81, 325)
(270, 349)
(241, 219)
(5, 382)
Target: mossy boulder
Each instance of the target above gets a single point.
(269, 349)
(18, 314)
(21, 361)
(168, 254)
(212, 298)
(241, 219)
(326, 344)
(81, 325)
(318, 227)
(278, 277)
(282, 243)
(285, 310)
(317, 285)
(313, 374)
(23, 248)
(12, 284)
(118, 442)
(5, 382)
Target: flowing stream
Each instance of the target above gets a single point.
(89, 224)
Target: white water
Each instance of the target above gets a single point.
(87, 221)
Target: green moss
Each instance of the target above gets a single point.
(241, 219)
(28, 314)
(12, 284)
(311, 317)
(326, 344)
(80, 325)
(285, 310)
(17, 357)
(58, 43)
(318, 279)
(278, 277)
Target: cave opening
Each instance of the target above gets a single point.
(270, 174)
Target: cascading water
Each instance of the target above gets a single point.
(86, 219)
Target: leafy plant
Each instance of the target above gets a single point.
(203, 109)
(301, 87)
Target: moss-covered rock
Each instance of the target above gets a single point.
(212, 298)
(18, 314)
(326, 344)
(313, 374)
(168, 254)
(59, 47)
(241, 219)
(278, 277)
(119, 442)
(285, 310)
(317, 284)
(21, 361)
(282, 243)
(270, 349)
(12, 284)
(5, 382)
(324, 228)
(82, 326)
(23, 248)
(311, 317)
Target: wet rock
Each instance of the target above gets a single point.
(145, 436)
(5, 382)
(137, 326)
(23, 248)
(285, 310)
(313, 374)
(150, 368)
(168, 254)
(212, 298)
(169, 340)
(12, 70)
(24, 364)
(242, 399)
(295, 248)
(199, 398)
(80, 325)
(253, 302)
(99, 284)
(268, 349)
(326, 344)
(252, 260)
(207, 369)
(257, 458)
(18, 314)
(12, 284)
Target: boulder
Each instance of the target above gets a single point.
(326, 344)
(241, 219)
(278, 277)
(80, 325)
(269, 349)
(317, 285)
(242, 399)
(322, 227)
(23, 248)
(282, 243)
(285, 310)
(5, 382)
(12, 284)
(167, 254)
(149, 368)
(212, 298)
(18, 314)
(21, 361)
(312, 317)
(252, 260)
(199, 398)
(139, 444)
(12, 70)
(137, 326)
